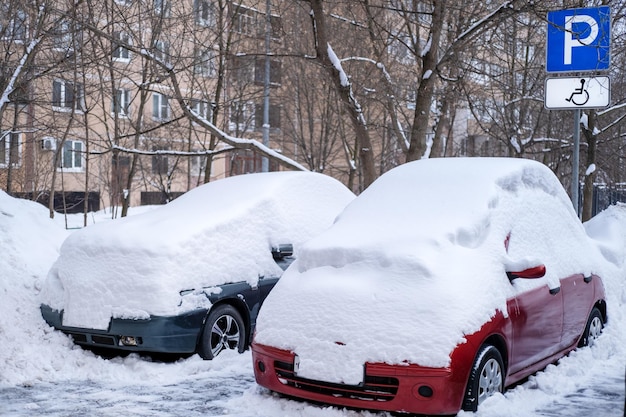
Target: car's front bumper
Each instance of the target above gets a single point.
(169, 334)
(398, 388)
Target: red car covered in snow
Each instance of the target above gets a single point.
(442, 284)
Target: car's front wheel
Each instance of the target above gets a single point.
(593, 329)
(486, 377)
(223, 329)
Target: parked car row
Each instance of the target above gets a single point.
(444, 282)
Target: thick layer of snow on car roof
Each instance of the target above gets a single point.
(418, 260)
(220, 232)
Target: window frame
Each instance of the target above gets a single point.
(72, 151)
(60, 99)
(16, 28)
(275, 71)
(244, 111)
(161, 51)
(197, 165)
(120, 52)
(162, 8)
(160, 105)
(120, 103)
(202, 108)
(204, 63)
(159, 162)
(11, 147)
(205, 13)
(275, 114)
(244, 20)
(65, 34)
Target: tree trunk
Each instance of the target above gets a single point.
(592, 144)
(344, 89)
(426, 88)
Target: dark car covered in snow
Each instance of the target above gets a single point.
(189, 276)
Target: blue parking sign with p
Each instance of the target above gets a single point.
(579, 39)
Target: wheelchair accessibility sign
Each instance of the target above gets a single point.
(578, 92)
(578, 39)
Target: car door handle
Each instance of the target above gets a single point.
(555, 291)
(588, 279)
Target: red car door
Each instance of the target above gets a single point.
(578, 297)
(537, 320)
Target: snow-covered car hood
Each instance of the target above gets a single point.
(220, 232)
(418, 261)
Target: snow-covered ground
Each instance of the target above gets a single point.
(43, 373)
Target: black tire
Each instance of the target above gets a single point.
(486, 377)
(223, 329)
(593, 329)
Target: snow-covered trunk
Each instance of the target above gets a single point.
(343, 87)
(590, 133)
(426, 88)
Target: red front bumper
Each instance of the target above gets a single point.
(400, 388)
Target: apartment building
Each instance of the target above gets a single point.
(95, 112)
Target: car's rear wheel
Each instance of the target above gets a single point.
(593, 329)
(486, 377)
(223, 329)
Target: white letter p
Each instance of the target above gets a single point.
(573, 39)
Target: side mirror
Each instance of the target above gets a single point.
(530, 273)
(282, 251)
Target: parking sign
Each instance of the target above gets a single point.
(578, 39)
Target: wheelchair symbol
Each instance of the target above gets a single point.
(580, 96)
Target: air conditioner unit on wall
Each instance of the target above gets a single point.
(49, 144)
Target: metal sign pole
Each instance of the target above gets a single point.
(266, 86)
(575, 159)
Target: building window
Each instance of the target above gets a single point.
(276, 23)
(245, 21)
(72, 155)
(259, 71)
(163, 8)
(241, 117)
(205, 63)
(120, 53)
(63, 36)
(400, 46)
(162, 51)
(121, 102)
(242, 70)
(20, 93)
(274, 119)
(205, 12)
(246, 162)
(159, 163)
(12, 23)
(9, 149)
(198, 165)
(67, 95)
(202, 108)
(252, 23)
(160, 107)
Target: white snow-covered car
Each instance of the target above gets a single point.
(441, 284)
(189, 276)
